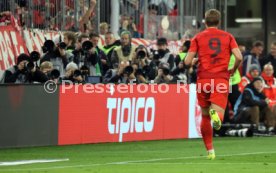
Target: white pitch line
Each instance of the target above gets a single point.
(192, 157)
(197, 163)
(133, 162)
(26, 162)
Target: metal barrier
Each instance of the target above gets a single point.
(144, 18)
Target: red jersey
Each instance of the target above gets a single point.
(214, 49)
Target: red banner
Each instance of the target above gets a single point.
(35, 38)
(99, 116)
(11, 45)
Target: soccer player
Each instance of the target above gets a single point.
(214, 48)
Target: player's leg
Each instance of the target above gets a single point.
(218, 99)
(205, 126)
(207, 133)
(217, 114)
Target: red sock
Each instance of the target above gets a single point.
(207, 132)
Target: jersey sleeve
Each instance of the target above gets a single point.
(194, 45)
(233, 43)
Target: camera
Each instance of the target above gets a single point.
(165, 67)
(166, 71)
(29, 66)
(156, 55)
(48, 46)
(87, 45)
(141, 54)
(34, 56)
(246, 132)
(128, 70)
(139, 72)
(77, 73)
(84, 72)
(62, 45)
(55, 74)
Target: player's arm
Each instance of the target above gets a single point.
(238, 56)
(189, 60)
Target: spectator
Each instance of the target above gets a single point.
(85, 24)
(124, 74)
(110, 75)
(46, 67)
(98, 58)
(165, 7)
(62, 46)
(73, 74)
(127, 24)
(142, 61)
(103, 28)
(142, 56)
(235, 80)
(79, 57)
(180, 67)
(153, 25)
(243, 49)
(55, 55)
(253, 73)
(233, 96)
(270, 86)
(253, 57)
(164, 75)
(24, 72)
(70, 41)
(252, 106)
(164, 55)
(126, 51)
(108, 49)
(268, 77)
(270, 58)
(39, 13)
(181, 73)
(5, 18)
(17, 74)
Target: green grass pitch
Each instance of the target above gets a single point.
(242, 155)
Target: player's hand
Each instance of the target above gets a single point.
(232, 72)
(195, 61)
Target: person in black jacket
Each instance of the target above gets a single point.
(24, 72)
(17, 73)
(270, 58)
(252, 106)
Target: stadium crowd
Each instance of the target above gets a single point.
(76, 57)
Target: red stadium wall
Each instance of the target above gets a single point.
(94, 118)
(78, 114)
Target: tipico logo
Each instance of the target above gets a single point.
(128, 117)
